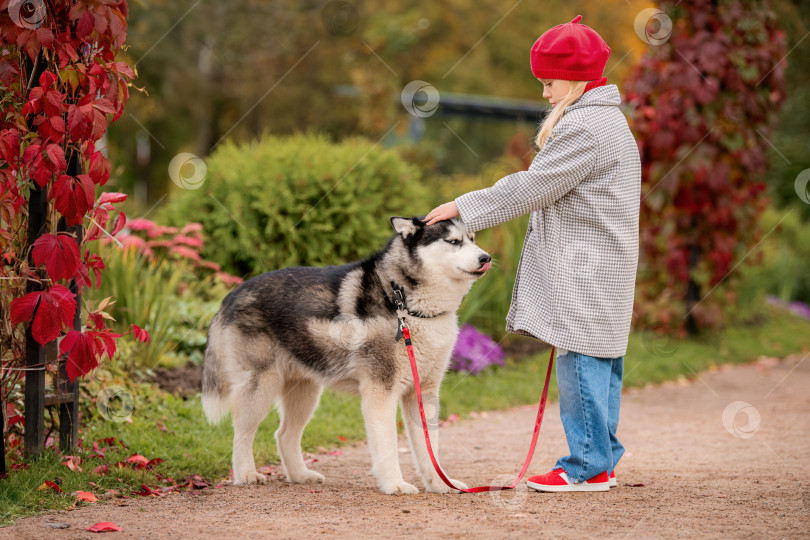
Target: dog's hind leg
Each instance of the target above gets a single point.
(380, 412)
(298, 401)
(416, 437)
(250, 403)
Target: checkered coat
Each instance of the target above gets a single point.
(576, 278)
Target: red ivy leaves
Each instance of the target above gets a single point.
(64, 113)
(101, 215)
(140, 334)
(80, 349)
(59, 254)
(84, 349)
(87, 119)
(91, 263)
(51, 310)
(74, 196)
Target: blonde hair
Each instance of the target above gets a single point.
(574, 93)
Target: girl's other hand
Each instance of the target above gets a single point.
(447, 210)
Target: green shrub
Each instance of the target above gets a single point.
(783, 253)
(298, 200)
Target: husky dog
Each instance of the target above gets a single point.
(284, 335)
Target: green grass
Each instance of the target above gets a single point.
(191, 446)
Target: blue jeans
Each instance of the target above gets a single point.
(590, 391)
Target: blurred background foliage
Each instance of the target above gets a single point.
(235, 70)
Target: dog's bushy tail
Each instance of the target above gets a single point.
(215, 388)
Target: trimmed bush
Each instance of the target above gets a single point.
(298, 200)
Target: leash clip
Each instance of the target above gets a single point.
(403, 324)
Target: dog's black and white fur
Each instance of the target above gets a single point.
(282, 336)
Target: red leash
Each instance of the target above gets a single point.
(406, 332)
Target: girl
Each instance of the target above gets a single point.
(575, 282)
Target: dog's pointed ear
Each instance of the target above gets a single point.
(406, 226)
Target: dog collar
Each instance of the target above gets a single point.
(401, 304)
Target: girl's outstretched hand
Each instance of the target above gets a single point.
(447, 210)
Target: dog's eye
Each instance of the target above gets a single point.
(453, 242)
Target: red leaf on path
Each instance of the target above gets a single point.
(86, 496)
(137, 459)
(104, 526)
(74, 196)
(197, 483)
(342, 438)
(51, 310)
(59, 253)
(140, 334)
(315, 491)
(146, 491)
(82, 355)
(334, 453)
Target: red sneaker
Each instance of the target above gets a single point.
(557, 480)
(612, 479)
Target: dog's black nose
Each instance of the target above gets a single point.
(484, 259)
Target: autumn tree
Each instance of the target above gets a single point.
(703, 103)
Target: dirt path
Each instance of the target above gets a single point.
(699, 479)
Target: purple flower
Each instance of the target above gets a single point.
(474, 351)
(797, 308)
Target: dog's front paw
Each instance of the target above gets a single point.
(249, 477)
(306, 477)
(437, 486)
(394, 488)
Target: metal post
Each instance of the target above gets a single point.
(34, 438)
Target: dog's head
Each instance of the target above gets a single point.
(446, 247)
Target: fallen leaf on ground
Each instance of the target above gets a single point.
(146, 491)
(72, 463)
(104, 526)
(342, 438)
(50, 485)
(86, 496)
(634, 485)
(137, 459)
